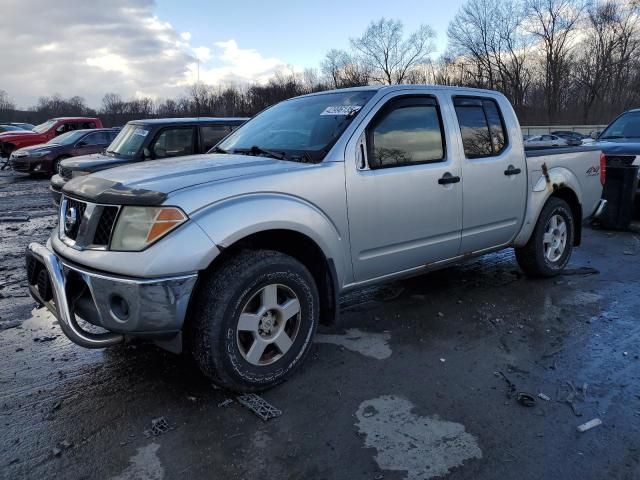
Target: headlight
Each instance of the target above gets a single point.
(139, 227)
(77, 173)
(40, 153)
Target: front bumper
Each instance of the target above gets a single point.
(148, 308)
(21, 164)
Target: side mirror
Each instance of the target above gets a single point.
(81, 144)
(146, 153)
(595, 135)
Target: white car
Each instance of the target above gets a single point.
(545, 141)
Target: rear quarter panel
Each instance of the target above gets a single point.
(576, 168)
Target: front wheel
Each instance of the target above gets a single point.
(549, 249)
(253, 320)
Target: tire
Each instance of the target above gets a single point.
(540, 257)
(55, 163)
(243, 287)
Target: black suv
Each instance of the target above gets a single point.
(152, 139)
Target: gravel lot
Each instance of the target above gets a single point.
(413, 382)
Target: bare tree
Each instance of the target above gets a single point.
(473, 33)
(5, 102)
(388, 55)
(554, 23)
(344, 69)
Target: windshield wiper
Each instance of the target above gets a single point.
(612, 137)
(218, 150)
(305, 157)
(256, 150)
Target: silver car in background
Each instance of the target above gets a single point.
(545, 141)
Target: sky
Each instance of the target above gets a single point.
(153, 48)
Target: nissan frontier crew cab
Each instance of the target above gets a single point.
(238, 255)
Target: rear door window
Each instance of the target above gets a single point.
(210, 135)
(481, 126)
(174, 142)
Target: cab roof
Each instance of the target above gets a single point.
(191, 120)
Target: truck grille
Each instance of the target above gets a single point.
(79, 208)
(66, 173)
(619, 160)
(105, 226)
(86, 225)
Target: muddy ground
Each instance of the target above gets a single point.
(413, 382)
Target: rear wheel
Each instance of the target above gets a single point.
(254, 318)
(549, 249)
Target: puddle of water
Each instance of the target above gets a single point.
(42, 355)
(145, 465)
(581, 298)
(374, 345)
(424, 447)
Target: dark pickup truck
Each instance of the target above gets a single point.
(152, 139)
(43, 159)
(620, 141)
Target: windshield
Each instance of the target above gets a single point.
(43, 127)
(128, 141)
(298, 129)
(67, 138)
(625, 126)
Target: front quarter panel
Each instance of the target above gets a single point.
(233, 219)
(186, 250)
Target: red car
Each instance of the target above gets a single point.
(10, 141)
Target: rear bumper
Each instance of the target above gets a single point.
(600, 208)
(148, 308)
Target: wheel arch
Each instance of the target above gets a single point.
(305, 250)
(557, 182)
(569, 196)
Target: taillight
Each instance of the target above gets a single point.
(603, 168)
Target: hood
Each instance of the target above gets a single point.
(21, 133)
(94, 162)
(38, 147)
(619, 146)
(161, 177)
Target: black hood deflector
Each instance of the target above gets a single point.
(99, 190)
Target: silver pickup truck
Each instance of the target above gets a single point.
(239, 254)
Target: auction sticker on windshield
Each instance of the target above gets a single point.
(141, 131)
(341, 110)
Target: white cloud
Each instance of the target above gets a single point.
(110, 62)
(202, 53)
(82, 49)
(232, 65)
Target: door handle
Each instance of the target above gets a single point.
(512, 171)
(447, 179)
